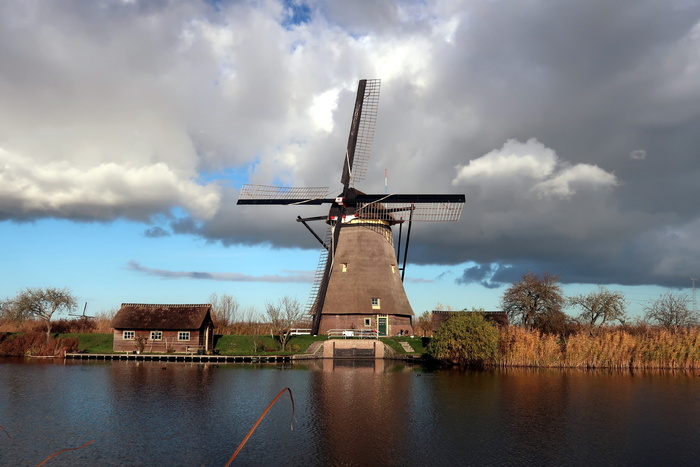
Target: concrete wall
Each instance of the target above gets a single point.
(331, 345)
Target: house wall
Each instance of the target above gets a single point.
(346, 321)
(168, 342)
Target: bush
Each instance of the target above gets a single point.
(465, 339)
(34, 343)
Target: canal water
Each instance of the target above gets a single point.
(346, 413)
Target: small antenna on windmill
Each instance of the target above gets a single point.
(386, 180)
(695, 301)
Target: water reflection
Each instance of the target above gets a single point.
(347, 413)
(361, 412)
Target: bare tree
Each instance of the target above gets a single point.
(424, 323)
(671, 311)
(43, 303)
(225, 309)
(600, 307)
(533, 297)
(6, 310)
(283, 316)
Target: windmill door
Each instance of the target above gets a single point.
(381, 325)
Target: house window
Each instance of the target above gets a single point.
(156, 335)
(183, 336)
(129, 335)
(368, 322)
(345, 267)
(375, 303)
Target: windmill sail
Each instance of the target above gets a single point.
(266, 194)
(364, 120)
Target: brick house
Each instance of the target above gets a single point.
(163, 328)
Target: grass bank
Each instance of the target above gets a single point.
(254, 345)
(417, 344)
(92, 343)
(245, 345)
(226, 345)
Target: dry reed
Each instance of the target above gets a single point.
(616, 348)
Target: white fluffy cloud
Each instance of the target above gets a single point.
(102, 192)
(530, 170)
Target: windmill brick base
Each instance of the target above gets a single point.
(364, 289)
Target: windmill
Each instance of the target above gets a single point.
(83, 317)
(359, 284)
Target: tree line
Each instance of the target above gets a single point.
(537, 302)
(600, 336)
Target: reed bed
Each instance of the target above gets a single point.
(615, 348)
(519, 347)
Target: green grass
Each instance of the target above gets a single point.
(415, 342)
(93, 343)
(244, 345)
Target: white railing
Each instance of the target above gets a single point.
(353, 333)
(299, 332)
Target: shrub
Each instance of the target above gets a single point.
(465, 339)
(34, 343)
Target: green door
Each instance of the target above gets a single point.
(381, 324)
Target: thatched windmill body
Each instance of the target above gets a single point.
(359, 281)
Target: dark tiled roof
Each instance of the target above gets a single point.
(161, 316)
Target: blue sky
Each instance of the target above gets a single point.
(94, 260)
(128, 127)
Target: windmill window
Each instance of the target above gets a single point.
(345, 267)
(375, 303)
(156, 335)
(368, 322)
(129, 335)
(393, 268)
(183, 336)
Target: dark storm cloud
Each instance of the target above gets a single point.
(480, 274)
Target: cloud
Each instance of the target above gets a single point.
(638, 155)
(530, 168)
(103, 192)
(292, 276)
(532, 109)
(156, 232)
(482, 274)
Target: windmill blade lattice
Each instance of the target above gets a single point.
(360, 143)
(448, 211)
(266, 194)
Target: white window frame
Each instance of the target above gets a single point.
(376, 303)
(129, 335)
(156, 335)
(181, 335)
(368, 322)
